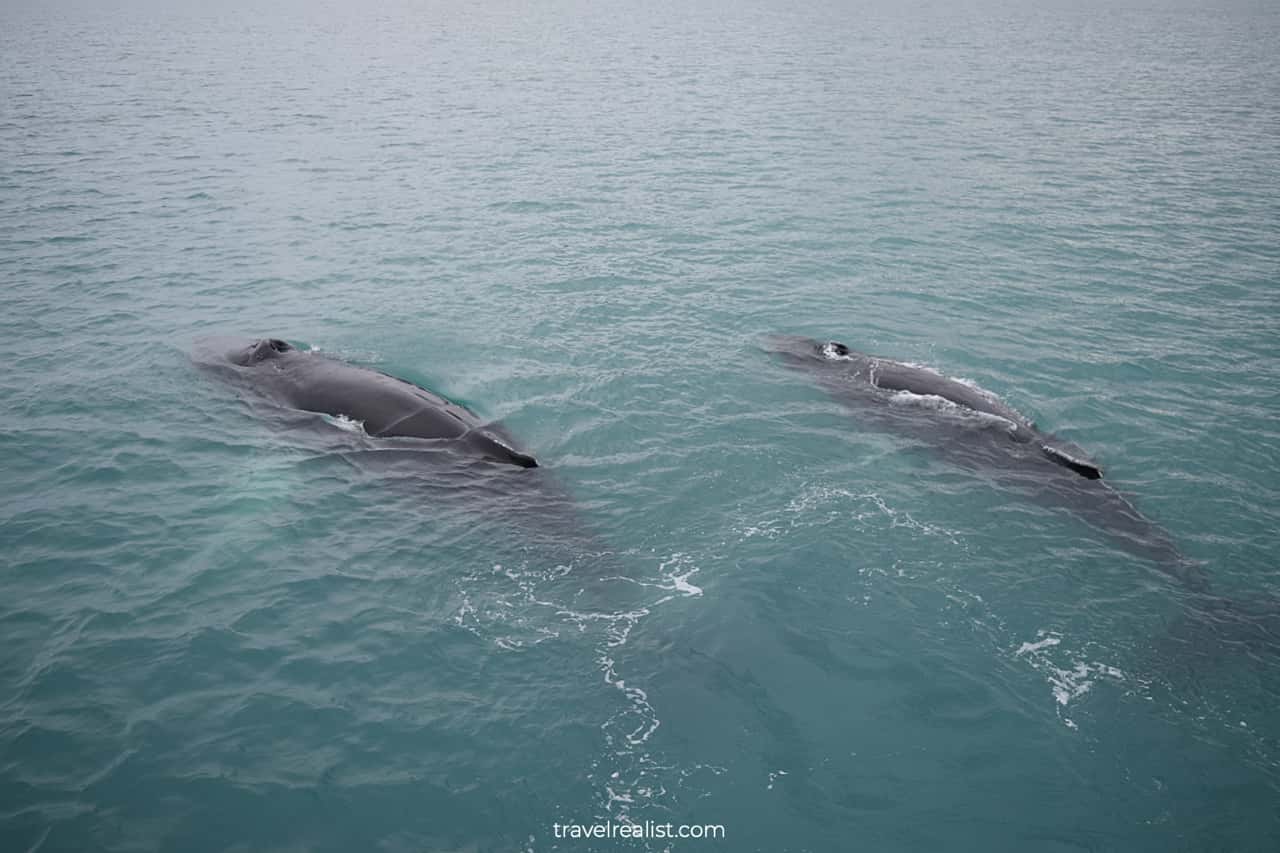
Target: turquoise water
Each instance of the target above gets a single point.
(583, 220)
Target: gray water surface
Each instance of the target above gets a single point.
(583, 220)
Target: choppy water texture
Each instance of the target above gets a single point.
(583, 219)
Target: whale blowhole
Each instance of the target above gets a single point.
(836, 350)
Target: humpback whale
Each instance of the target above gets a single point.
(975, 429)
(423, 449)
(923, 385)
(385, 406)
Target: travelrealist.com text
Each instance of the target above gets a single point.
(648, 829)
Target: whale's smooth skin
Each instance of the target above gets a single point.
(414, 444)
(418, 451)
(975, 429)
(385, 406)
(913, 379)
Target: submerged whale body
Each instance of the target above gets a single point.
(419, 451)
(385, 406)
(975, 429)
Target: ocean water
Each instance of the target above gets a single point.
(583, 220)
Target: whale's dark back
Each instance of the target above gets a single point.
(895, 376)
(385, 406)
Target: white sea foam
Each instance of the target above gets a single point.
(1044, 643)
(926, 401)
(948, 407)
(674, 574)
(526, 605)
(1068, 681)
(817, 505)
(867, 508)
(345, 423)
(925, 367)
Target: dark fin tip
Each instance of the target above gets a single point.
(507, 453)
(1085, 469)
(524, 460)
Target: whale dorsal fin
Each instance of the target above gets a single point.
(524, 460)
(1066, 460)
(493, 440)
(516, 457)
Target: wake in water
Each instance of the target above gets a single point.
(1077, 665)
(517, 608)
